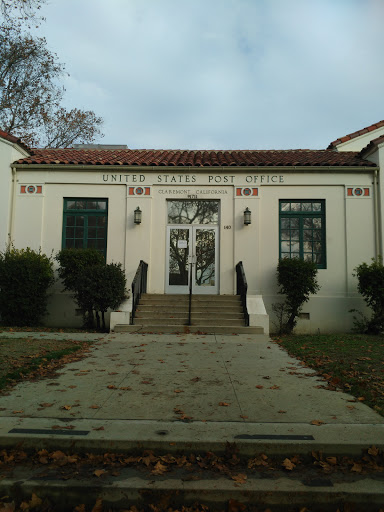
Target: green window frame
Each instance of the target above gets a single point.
(85, 223)
(302, 230)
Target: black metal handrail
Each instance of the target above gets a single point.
(241, 289)
(190, 295)
(139, 286)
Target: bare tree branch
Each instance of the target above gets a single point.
(18, 12)
(30, 94)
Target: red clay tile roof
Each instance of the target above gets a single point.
(15, 140)
(205, 158)
(371, 145)
(353, 135)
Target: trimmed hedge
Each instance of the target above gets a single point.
(25, 276)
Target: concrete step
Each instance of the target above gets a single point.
(183, 299)
(195, 321)
(215, 492)
(209, 313)
(174, 329)
(195, 307)
(167, 297)
(120, 487)
(195, 304)
(213, 315)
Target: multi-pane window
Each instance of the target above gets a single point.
(302, 230)
(85, 224)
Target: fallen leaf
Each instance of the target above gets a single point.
(95, 407)
(99, 428)
(45, 404)
(288, 464)
(317, 422)
(99, 472)
(259, 387)
(17, 412)
(126, 388)
(282, 412)
(111, 386)
(178, 391)
(241, 478)
(66, 407)
(274, 387)
(195, 379)
(72, 387)
(361, 398)
(159, 469)
(357, 468)
(373, 451)
(243, 416)
(224, 404)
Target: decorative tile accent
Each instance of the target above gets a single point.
(139, 191)
(358, 192)
(247, 192)
(31, 189)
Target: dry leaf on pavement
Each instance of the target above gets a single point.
(241, 478)
(159, 469)
(288, 464)
(99, 472)
(317, 422)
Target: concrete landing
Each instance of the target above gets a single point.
(236, 384)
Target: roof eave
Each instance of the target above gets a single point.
(175, 169)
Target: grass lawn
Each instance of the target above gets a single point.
(352, 362)
(34, 358)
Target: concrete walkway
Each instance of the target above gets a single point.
(147, 390)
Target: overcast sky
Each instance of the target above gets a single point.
(222, 74)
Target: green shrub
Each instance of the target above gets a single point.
(101, 287)
(297, 280)
(25, 276)
(371, 286)
(95, 285)
(73, 261)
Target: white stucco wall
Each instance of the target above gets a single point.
(350, 232)
(9, 152)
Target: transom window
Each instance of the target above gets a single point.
(193, 212)
(302, 230)
(85, 224)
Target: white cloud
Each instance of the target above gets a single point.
(223, 73)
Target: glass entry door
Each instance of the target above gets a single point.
(196, 246)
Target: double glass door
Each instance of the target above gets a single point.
(192, 255)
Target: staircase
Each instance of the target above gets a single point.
(221, 314)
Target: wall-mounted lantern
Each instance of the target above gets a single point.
(137, 216)
(247, 216)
